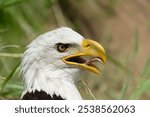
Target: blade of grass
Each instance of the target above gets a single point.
(136, 45)
(88, 91)
(11, 94)
(5, 4)
(8, 46)
(119, 64)
(2, 78)
(124, 90)
(144, 84)
(14, 86)
(146, 69)
(139, 92)
(16, 94)
(10, 75)
(13, 55)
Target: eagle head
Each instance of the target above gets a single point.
(55, 61)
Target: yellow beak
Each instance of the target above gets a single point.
(89, 49)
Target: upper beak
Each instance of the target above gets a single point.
(89, 48)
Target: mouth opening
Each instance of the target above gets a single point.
(76, 59)
(84, 60)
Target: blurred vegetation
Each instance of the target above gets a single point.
(22, 20)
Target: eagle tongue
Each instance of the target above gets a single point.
(89, 62)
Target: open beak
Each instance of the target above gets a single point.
(90, 49)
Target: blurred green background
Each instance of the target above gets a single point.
(121, 26)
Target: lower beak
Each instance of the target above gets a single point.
(89, 49)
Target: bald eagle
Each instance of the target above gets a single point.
(54, 62)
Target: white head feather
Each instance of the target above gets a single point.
(43, 68)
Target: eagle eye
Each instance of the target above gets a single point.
(62, 47)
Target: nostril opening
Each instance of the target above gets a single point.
(87, 45)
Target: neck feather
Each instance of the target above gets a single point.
(59, 82)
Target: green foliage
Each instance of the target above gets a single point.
(8, 3)
(124, 90)
(118, 64)
(10, 75)
(20, 21)
(144, 83)
(134, 52)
